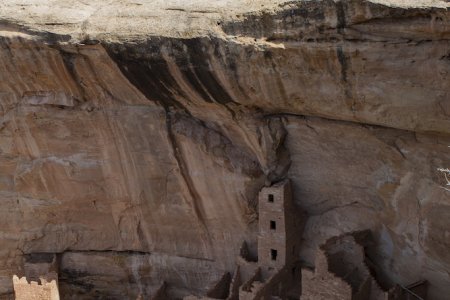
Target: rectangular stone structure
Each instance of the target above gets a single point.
(35, 291)
(279, 228)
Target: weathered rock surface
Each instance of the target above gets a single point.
(134, 136)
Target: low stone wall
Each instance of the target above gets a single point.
(35, 291)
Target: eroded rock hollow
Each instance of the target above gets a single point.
(135, 137)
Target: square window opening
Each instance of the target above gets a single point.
(273, 254)
(273, 225)
(271, 198)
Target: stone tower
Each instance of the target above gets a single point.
(279, 228)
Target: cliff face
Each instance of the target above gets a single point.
(134, 137)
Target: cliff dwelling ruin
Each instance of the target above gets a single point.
(341, 270)
(226, 149)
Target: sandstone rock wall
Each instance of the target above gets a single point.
(145, 130)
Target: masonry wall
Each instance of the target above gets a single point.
(250, 288)
(323, 288)
(34, 291)
(271, 209)
(277, 285)
(323, 285)
(279, 228)
(341, 273)
(346, 259)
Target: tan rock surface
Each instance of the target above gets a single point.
(135, 135)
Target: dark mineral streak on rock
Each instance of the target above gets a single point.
(151, 76)
(198, 62)
(343, 61)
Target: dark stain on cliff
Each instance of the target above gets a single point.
(68, 59)
(293, 17)
(340, 14)
(207, 85)
(36, 258)
(73, 279)
(145, 67)
(195, 83)
(230, 61)
(148, 71)
(343, 62)
(305, 11)
(184, 171)
(151, 75)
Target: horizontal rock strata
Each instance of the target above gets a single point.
(134, 137)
